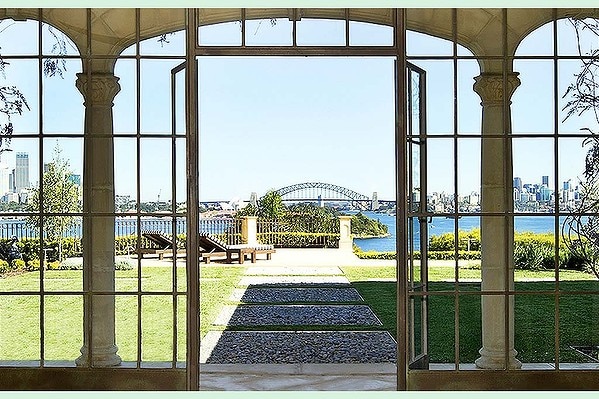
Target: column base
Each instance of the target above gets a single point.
(495, 360)
(101, 357)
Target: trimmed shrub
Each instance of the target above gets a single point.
(4, 267)
(33, 265)
(17, 265)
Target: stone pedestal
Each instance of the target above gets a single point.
(497, 232)
(345, 239)
(249, 230)
(98, 230)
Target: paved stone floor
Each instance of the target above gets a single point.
(271, 321)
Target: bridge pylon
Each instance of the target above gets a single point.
(374, 206)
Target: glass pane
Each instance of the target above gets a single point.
(533, 175)
(469, 108)
(20, 320)
(440, 176)
(126, 318)
(62, 255)
(536, 81)
(11, 31)
(156, 101)
(181, 328)
(366, 34)
(67, 115)
(534, 247)
(125, 178)
(470, 328)
(21, 97)
(320, 32)
(214, 32)
(534, 317)
(63, 327)
(574, 97)
(469, 169)
(171, 43)
(268, 32)
(157, 328)
(157, 246)
(125, 103)
(440, 96)
(156, 177)
(441, 330)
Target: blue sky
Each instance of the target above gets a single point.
(272, 122)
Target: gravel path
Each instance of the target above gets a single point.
(289, 315)
(304, 347)
(297, 294)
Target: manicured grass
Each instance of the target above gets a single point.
(534, 314)
(63, 321)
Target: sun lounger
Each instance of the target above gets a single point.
(210, 247)
(163, 244)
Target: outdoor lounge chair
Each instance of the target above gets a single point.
(211, 246)
(163, 243)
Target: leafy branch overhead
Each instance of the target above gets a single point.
(12, 100)
(580, 230)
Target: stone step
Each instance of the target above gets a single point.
(245, 347)
(297, 271)
(290, 315)
(293, 280)
(296, 294)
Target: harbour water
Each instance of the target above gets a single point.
(441, 225)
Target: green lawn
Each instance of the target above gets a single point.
(63, 321)
(534, 314)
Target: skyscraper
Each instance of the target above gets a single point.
(545, 180)
(518, 183)
(21, 171)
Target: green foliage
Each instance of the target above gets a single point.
(4, 267)
(17, 265)
(446, 241)
(33, 265)
(60, 195)
(363, 226)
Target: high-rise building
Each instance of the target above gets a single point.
(21, 171)
(545, 180)
(518, 183)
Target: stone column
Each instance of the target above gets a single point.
(497, 232)
(345, 238)
(249, 230)
(98, 231)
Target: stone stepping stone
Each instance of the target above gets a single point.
(296, 294)
(291, 315)
(293, 271)
(293, 280)
(249, 347)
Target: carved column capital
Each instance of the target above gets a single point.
(104, 87)
(490, 87)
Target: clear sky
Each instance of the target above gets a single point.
(270, 122)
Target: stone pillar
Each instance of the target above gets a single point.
(497, 232)
(249, 230)
(98, 231)
(345, 239)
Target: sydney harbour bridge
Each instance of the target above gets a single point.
(321, 193)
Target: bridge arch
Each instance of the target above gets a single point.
(326, 192)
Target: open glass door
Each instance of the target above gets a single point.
(417, 217)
